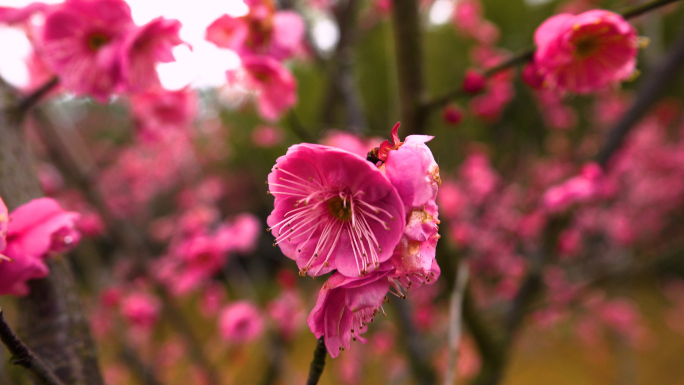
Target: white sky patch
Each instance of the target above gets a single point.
(203, 66)
(441, 11)
(325, 34)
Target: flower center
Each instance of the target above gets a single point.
(586, 46)
(339, 208)
(97, 40)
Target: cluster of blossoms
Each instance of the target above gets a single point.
(372, 223)
(584, 51)
(28, 236)
(94, 47)
(611, 215)
(263, 38)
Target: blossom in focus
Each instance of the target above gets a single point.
(345, 306)
(263, 31)
(586, 52)
(241, 322)
(80, 42)
(143, 48)
(413, 171)
(274, 85)
(333, 210)
(34, 230)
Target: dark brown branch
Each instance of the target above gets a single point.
(409, 59)
(52, 322)
(33, 98)
(318, 362)
(22, 355)
(341, 84)
(652, 88)
(73, 162)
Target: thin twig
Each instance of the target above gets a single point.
(38, 94)
(22, 355)
(455, 321)
(318, 362)
(651, 89)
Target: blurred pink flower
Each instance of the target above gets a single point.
(34, 230)
(333, 210)
(81, 40)
(159, 109)
(275, 87)
(575, 190)
(586, 52)
(267, 136)
(141, 310)
(144, 47)
(263, 31)
(240, 234)
(452, 114)
(287, 313)
(473, 81)
(241, 322)
(349, 142)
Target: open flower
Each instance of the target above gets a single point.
(275, 87)
(333, 210)
(143, 48)
(263, 31)
(241, 322)
(34, 231)
(586, 52)
(80, 42)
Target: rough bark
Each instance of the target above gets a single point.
(52, 322)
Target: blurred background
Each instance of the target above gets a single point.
(173, 179)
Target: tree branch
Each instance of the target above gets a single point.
(527, 54)
(409, 59)
(22, 356)
(649, 92)
(318, 362)
(53, 323)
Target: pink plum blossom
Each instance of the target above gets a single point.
(578, 189)
(143, 48)
(267, 136)
(263, 31)
(34, 230)
(10, 15)
(158, 109)
(274, 85)
(333, 210)
(344, 308)
(473, 82)
(80, 41)
(141, 310)
(586, 52)
(241, 322)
